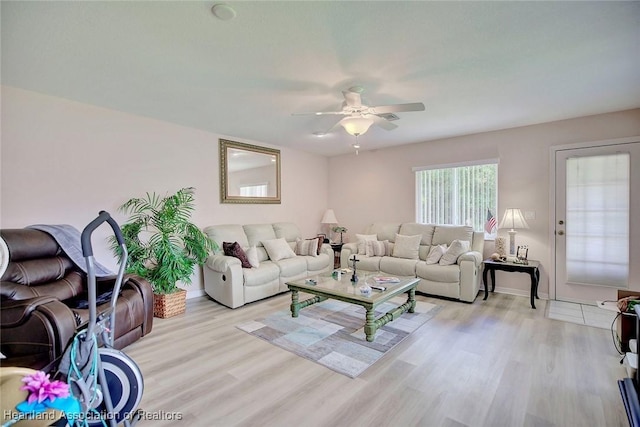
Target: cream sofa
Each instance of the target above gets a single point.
(228, 283)
(460, 280)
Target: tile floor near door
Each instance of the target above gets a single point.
(583, 314)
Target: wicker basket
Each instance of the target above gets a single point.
(169, 305)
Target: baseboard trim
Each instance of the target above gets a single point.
(516, 292)
(196, 293)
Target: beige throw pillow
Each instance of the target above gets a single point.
(278, 249)
(361, 239)
(307, 247)
(457, 248)
(252, 256)
(407, 246)
(435, 253)
(377, 247)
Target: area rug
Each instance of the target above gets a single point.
(331, 333)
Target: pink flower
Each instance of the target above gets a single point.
(40, 387)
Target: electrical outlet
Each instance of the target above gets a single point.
(529, 214)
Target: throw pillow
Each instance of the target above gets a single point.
(435, 253)
(307, 247)
(361, 239)
(319, 239)
(407, 246)
(457, 248)
(252, 256)
(278, 249)
(377, 247)
(234, 250)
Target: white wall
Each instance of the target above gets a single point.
(64, 161)
(379, 185)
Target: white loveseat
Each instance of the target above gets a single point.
(226, 281)
(460, 280)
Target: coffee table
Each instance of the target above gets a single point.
(327, 287)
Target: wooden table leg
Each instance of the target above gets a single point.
(534, 288)
(486, 283)
(412, 300)
(295, 306)
(370, 324)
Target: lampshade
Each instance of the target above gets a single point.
(513, 219)
(329, 217)
(356, 125)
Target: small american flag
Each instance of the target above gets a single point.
(491, 222)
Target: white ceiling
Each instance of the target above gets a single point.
(477, 66)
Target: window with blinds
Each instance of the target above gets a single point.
(459, 195)
(597, 226)
(255, 190)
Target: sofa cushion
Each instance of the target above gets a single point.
(449, 233)
(257, 233)
(278, 249)
(436, 253)
(234, 250)
(320, 262)
(438, 273)
(368, 263)
(288, 230)
(267, 272)
(398, 266)
(290, 267)
(457, 248)
(384, 230)
(377, 248)
(227, 233)
(407, 246)
(413, 228)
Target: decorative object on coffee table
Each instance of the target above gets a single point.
(354, 276)
(164, 246)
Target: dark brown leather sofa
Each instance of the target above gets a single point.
(43, 302)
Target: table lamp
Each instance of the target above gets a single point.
(329, 218)
(513, 219)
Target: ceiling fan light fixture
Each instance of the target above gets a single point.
(356, 125)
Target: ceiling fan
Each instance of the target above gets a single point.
(358, 117)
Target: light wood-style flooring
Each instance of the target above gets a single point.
(491, 363)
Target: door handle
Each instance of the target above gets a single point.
(561, 233)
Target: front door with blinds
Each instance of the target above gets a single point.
(597, 196)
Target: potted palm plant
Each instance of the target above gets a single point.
(164, 246)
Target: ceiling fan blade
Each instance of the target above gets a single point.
(319, 113)
(352, 99)
(383, 123)
(397, 108)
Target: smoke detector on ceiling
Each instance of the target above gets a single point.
(223, 12)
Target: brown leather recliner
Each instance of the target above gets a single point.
(43, 302)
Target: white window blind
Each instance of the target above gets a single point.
(597, 225)
(461, 195)
(256, 190)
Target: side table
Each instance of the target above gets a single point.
(532, 269)
(337, 248)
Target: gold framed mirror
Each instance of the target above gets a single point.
(249, 173)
